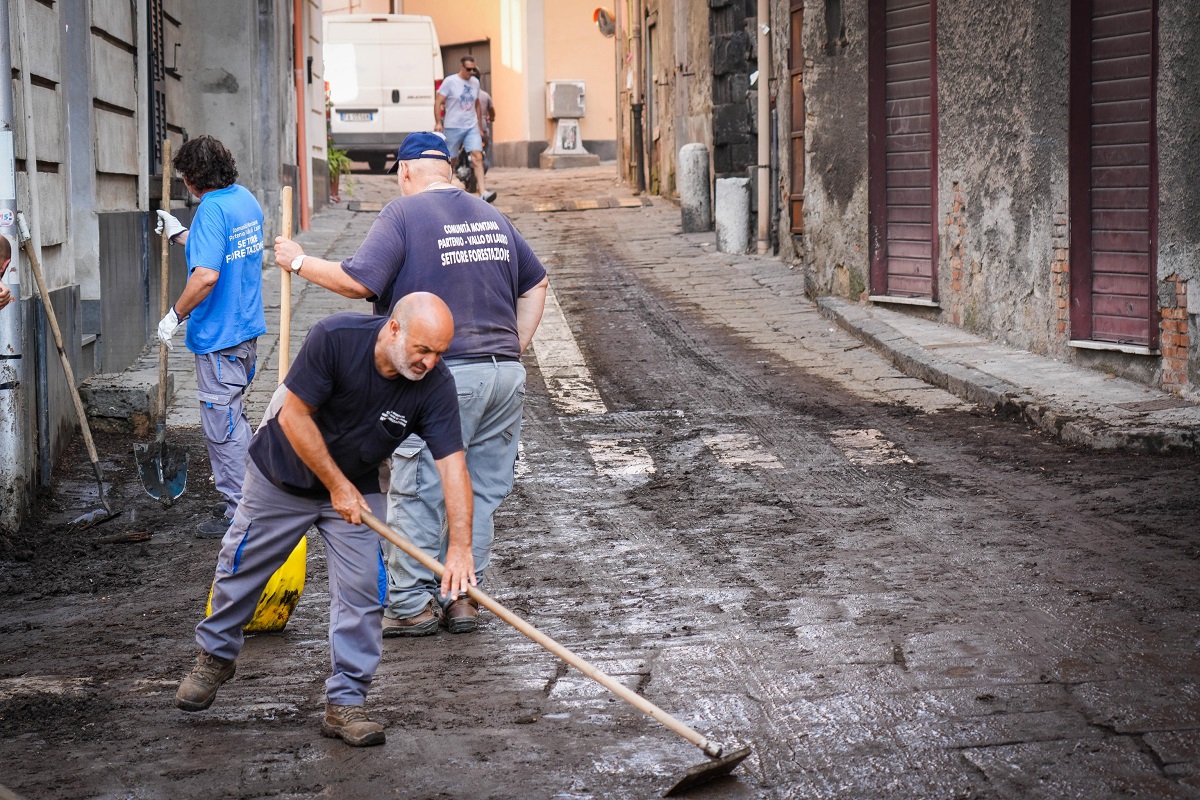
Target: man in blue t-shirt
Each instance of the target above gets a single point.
(437, 238)
(360, 384)
(222, 302)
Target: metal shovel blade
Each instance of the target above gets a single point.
(708, 771)
(163, 469)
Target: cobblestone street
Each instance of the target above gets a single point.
(726, 500)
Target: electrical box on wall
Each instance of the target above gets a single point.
(564, 99)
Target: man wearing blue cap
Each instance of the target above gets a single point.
(437, 238)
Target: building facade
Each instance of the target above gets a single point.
(96, 88)
(1025, 171)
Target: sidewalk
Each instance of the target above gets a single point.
(761, 299)
(1078, 406)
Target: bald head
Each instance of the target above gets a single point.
(414, 338)
(416, 174)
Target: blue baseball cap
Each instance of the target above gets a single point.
(424, 144)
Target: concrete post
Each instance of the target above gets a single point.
(14, 483)
(694, 200)
(733, 215)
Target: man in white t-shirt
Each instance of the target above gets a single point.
(458, 98)
(487, 116)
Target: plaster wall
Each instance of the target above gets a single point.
(499, 24)
(836, 255)
(237, 74)
(575, 50)
(1002, 166)
(1179, 167)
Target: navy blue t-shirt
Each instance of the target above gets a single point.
(362, 415)
(458, 247)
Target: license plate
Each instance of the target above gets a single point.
(357, 116)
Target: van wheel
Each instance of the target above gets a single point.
(377, 163)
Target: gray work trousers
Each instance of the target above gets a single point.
(221, 380)
(266, 528)
(491, 404)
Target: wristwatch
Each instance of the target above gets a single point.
(298, 262)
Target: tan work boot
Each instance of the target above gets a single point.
(422, 624)
(198, 689)
(462, 616)
(351, 725)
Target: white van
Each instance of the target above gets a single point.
(383, 71)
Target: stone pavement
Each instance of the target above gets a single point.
(869, 350)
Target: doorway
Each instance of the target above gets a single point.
(1113, 173)
(902, 127)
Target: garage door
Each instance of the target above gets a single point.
(903, 149)
(1113, 174)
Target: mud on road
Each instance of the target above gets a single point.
(950, 606)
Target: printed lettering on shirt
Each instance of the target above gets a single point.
(244, 240)
(469, 242)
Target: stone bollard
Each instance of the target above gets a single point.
(694, 199)
(733, 215)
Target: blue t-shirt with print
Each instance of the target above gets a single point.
(460, 248)
(227, 236)
(362, 416)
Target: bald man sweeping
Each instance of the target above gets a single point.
(359, 386)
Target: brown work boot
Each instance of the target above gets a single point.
(351, 725)
(423, 624)
(462, 616)
(199, 688)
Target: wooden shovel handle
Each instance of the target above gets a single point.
(709, 747)
(164, 295)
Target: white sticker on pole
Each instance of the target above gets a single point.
(8, 168)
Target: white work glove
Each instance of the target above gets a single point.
(174, 226)
(166, 328)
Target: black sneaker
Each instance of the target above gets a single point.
(488, 197)
(213, 528)
(220, 510)
(198, 690)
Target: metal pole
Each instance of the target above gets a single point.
(14, 484)
(637, 25)
(302, 157)
(764, 126)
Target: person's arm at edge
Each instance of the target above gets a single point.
(529, 311)
(460, 505)
(326, 274)
(296, 421)
(439, 105)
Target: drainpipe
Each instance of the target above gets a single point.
(764, 126)
(14, 488)
(639, 147)
(302, 159)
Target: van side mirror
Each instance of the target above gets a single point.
(395, 95)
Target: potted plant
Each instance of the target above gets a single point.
(339, 165)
